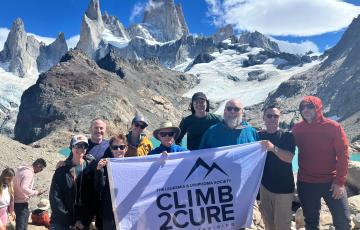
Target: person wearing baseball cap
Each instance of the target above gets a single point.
(198, 122)
(138, 143)
(68, 189)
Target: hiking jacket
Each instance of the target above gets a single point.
(23, 184)
(323, 148)
(68, 194)
(142, 149)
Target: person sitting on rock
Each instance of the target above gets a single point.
(118, 146)
(166, 134)
(139, 143)
(40, 215)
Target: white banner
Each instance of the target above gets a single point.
(203, 189)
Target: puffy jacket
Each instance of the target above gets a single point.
(142, 149)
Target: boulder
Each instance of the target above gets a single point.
(354, 204)
(353, 177)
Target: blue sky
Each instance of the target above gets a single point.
(312, 23)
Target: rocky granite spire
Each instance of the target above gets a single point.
(166, 19)
(257, 39)
(180, 14)
(19, 50)
(51, 54)
(223, 33)
(91, 29)
(113, 24)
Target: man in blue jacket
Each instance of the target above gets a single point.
(232, 131)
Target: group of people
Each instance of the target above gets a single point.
(80, 188)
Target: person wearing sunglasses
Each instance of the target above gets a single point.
(68, 190)
(139, 143)
(23, 191)
(118, 147)
(198, 122)
(323, 164)
(233, 130)
(166, 134)
(6, 196)
(276, 195)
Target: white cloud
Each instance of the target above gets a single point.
(139, 8)
(283, 17)
(71, 42)
(46, 40)
(297, 48)
(3, 35)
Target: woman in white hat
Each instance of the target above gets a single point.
(166, 134)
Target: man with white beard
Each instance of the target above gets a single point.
(232, 131)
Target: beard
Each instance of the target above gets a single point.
(232, 123)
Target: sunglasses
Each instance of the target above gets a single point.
(275, 116)
(116, 147)
(169, 134)
(308, 106)
(80, 146)
(235, 109)
(141, 125)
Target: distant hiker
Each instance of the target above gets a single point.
(233, 130)
(276, 195)
(40, 215)
(66, 191)
(118, 146)
(166, 134)
(6, 196)
(323, 165)
(198, 122)
(139, 143)
(23, 191)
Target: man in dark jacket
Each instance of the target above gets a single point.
(66, 189)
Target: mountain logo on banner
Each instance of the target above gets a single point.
(200, 162)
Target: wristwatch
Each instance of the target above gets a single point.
(276, 149)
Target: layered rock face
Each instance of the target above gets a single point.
(20, 50)
(257, 39)
(51, 54)
(167, 20)
(115, 26)
(169, 54)
(92, 28)
(223, 33)
(71, 94)
(336, 81)
(26, 55)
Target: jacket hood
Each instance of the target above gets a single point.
(318, 107)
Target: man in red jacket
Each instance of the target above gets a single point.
(323, 164)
